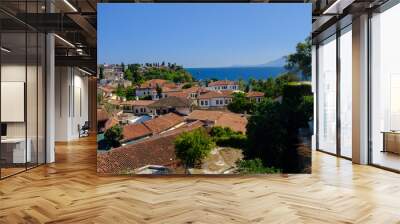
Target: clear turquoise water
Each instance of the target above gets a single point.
(235, 73)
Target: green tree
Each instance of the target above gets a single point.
(128, 75)
(187, 85)
(159, 91)
(113, 135)
(240, 104)
(130, 93)
(120, 91)
(301, 60)
(192, 147)
(101, 72)
(278, 125)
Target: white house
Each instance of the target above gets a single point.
(215, 99)
(223, 85)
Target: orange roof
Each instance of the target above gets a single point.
(152, 83)
(135, 131)
(156, 150)
(204, 115)
(216, 94)
(137, 102)
(221, 83)
(163, 123)
(236, 122)
(108, 89)
(111, 122)
(181, 94)
(255, 94)
(102, 115)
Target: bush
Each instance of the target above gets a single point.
(240, 104)
(218, 131)
(191, 147)
(254, 166)
(234, 141)
(226, 137)
(148, 97)
(113, 135)
(187, 85)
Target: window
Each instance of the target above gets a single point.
(385, 88)
(346, 92)
(226, 101)
(327, 95)
(217, 102)
(201, 102)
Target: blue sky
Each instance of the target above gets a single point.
(200, 35)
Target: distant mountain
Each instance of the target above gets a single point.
(280, 62)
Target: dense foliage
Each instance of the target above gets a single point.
(241, 104)
(254, 166)
(277, 124)
(187, 85)
(101, 72)
(226, 137)
(138, 73)
(191, 147)
(273, 87)
(112, 136)
(300, 62)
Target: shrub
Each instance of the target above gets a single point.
(254, 166)
(226, 137)
(191, 147)
(113, 135)
(187, 85)
(240, 104)
(234, 141)
(148, 97)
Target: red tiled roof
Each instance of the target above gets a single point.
(163, 123)
(169, 85)
(137, 102)
(180, 94)
(156, 150)
(111, 122)
(221, 83)
(135, 131)
(216, 94)
(153, 83)
(108, 89)
(171, 101)
(204, 115)
(102, 115)
(236, 122)
(255, 94)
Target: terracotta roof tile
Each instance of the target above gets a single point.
(171, 101)
(135, 131)
(216, 94)
(102, 114)
(236, 122)
(156, 150)
(137, 102)
(221, 83)
(111, 122)
(255, 94)
(164, 122)
(152, 83)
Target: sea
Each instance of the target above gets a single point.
(236, 73)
